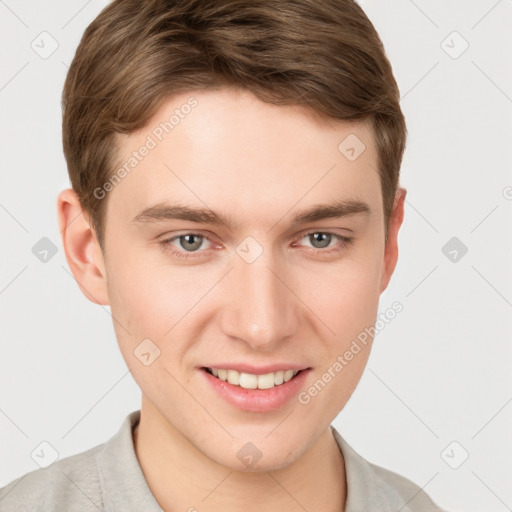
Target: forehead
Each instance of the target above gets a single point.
(229, 151)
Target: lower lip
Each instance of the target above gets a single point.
(257, 400)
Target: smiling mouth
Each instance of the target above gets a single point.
(251, 381)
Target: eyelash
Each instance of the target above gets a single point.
(344, 242)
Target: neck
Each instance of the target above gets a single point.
(183, 478)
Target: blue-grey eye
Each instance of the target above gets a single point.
(323, 239)
(189, 243)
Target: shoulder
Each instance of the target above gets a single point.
(370, 486)
(70, 484)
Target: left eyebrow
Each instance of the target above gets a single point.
(164, 211)
(331, 211)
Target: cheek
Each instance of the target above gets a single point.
(147, 300)
(142, 297)
(142, 288)
(349, 307)
(345, 295)
(153, 299)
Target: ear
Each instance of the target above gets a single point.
(391, 249)
(82, 249)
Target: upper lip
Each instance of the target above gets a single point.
(258, 370)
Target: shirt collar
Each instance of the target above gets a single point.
(364, 490)
(124, 486)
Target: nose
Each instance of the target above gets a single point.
(259, 307)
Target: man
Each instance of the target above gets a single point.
(235, 200)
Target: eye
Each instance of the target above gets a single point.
(322, 239)
(187, 243)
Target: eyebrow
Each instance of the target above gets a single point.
(165, 211)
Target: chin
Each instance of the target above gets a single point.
(257, 456)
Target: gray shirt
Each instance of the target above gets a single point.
(109, 478)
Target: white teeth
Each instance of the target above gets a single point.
(266, 381)
(250, 381)
(288, 374)
(233, 377)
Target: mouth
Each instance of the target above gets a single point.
(255, 392)
(252, 381)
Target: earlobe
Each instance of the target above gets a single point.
(391, 249)
(81, 247)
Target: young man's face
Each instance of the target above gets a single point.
(265, 290)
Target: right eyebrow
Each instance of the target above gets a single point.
(164, 211)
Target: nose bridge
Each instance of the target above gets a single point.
(259, 308)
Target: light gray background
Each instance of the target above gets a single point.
(438, 373)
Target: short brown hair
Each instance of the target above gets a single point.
(324, 54)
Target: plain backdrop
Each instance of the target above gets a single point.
(434, 403)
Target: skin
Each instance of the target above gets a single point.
(257, 164)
